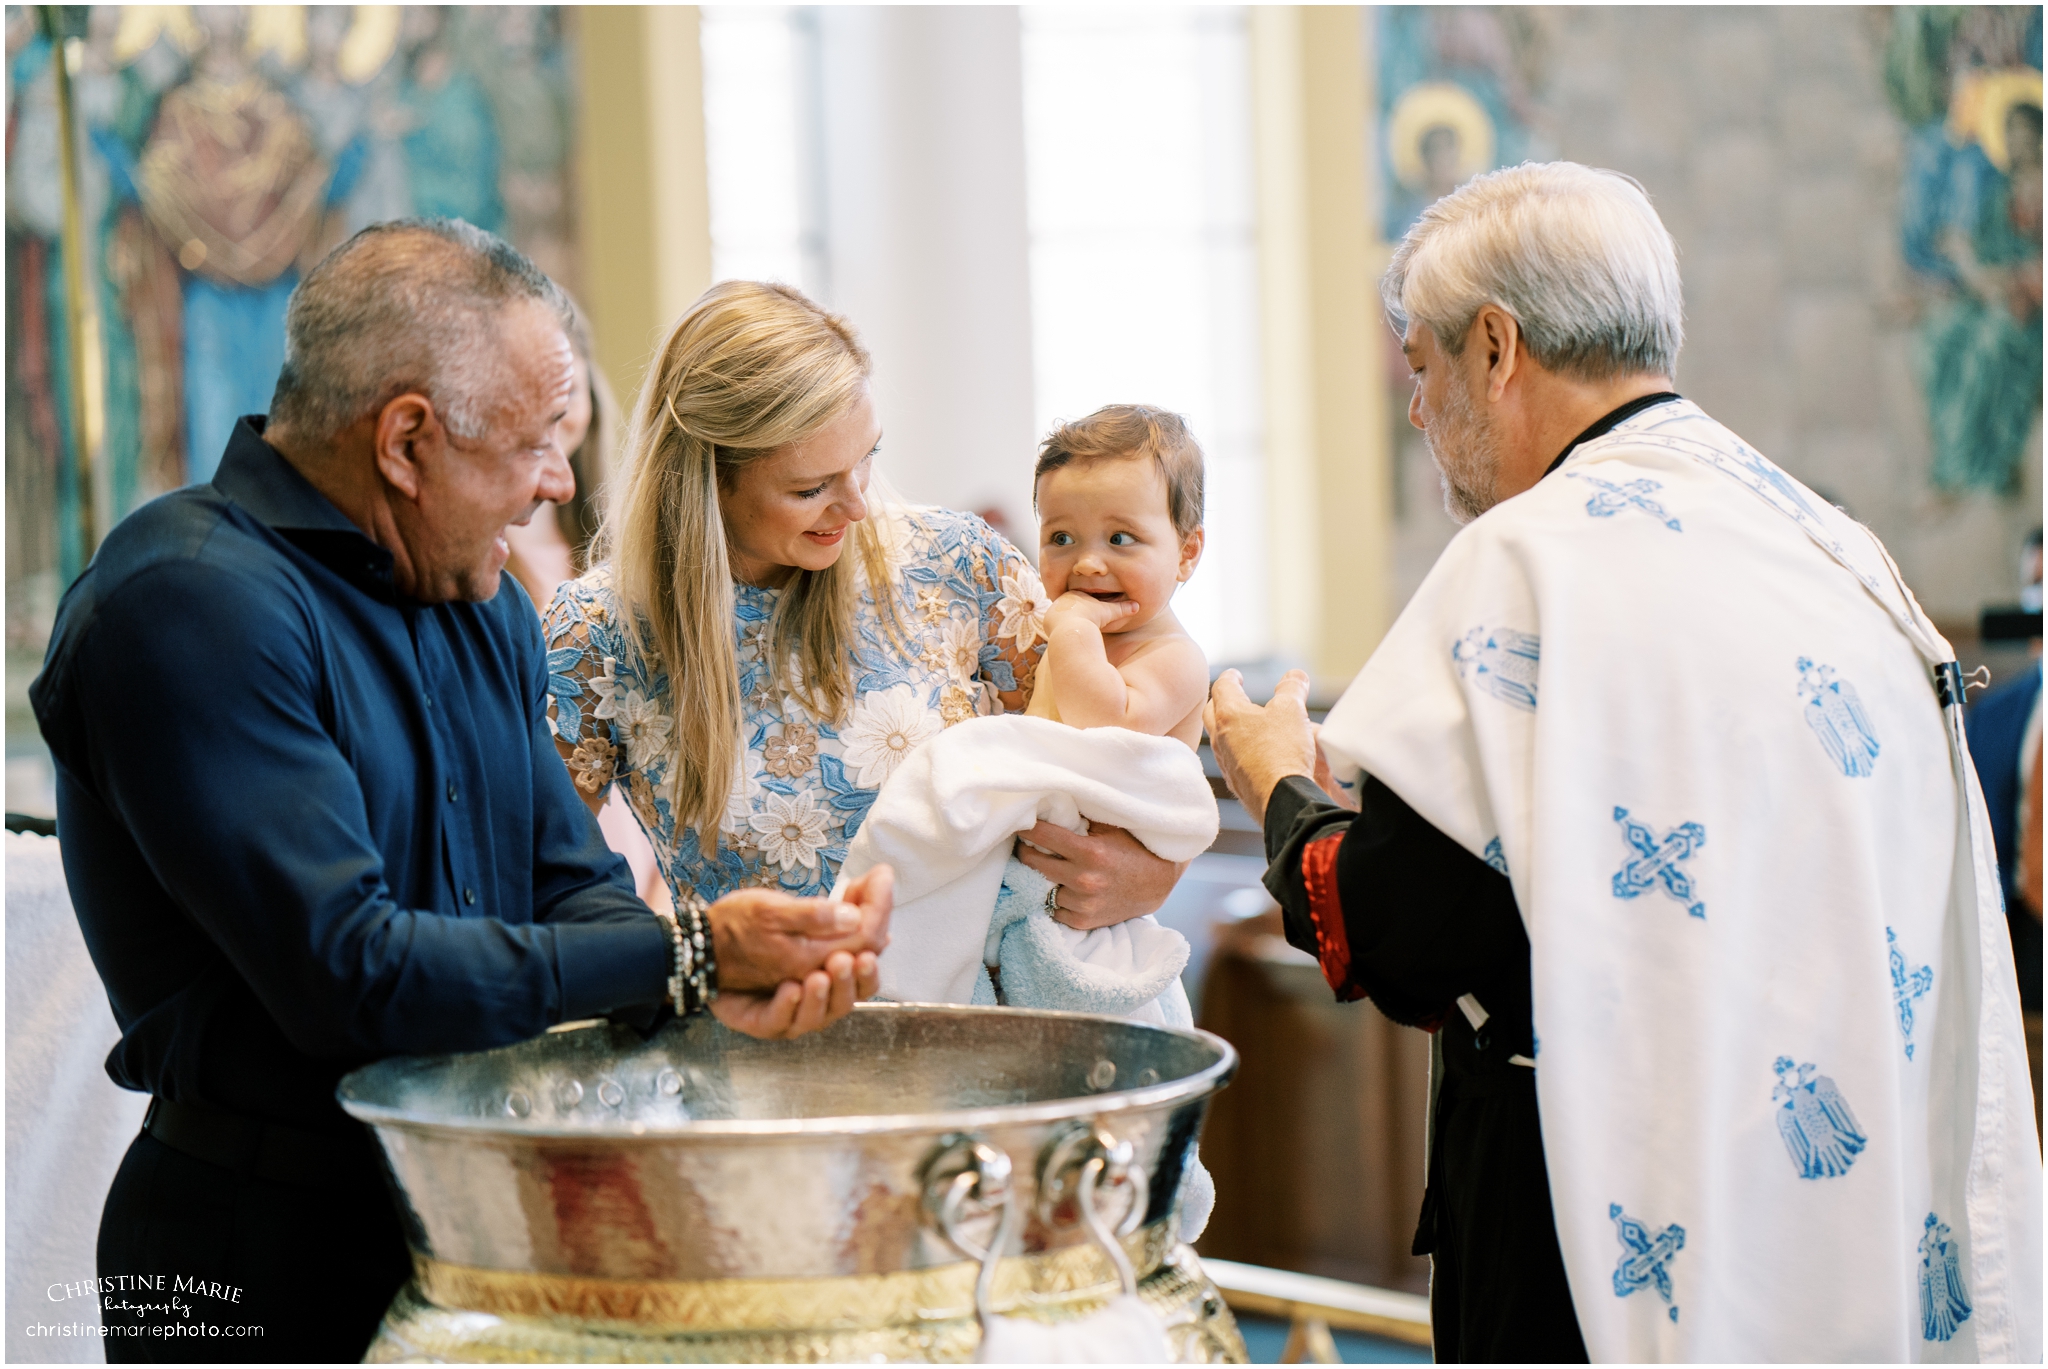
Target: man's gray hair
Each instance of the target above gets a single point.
(1576, 255)
(409, 305)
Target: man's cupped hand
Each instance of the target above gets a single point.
(787, 966)
(1258, 746)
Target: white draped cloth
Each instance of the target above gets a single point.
(947, 820)
(1689, 707)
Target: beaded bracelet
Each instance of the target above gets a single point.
(678, 959)
(699, 972)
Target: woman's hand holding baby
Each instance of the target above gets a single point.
(1106, 875)
(787, 966)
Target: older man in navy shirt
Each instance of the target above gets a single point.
(311, 811)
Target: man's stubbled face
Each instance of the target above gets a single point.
(1465, 448)
(1466, 452)
(471, 488)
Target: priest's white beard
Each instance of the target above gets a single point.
(1466, 452)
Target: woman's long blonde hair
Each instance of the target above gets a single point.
(749, 369)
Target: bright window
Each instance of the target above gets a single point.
(1144, 284)
(757, 89)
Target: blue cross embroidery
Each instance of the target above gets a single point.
(1907, 985)
(1613, 498)
(1644, 1255)
(1495, 856)
(1657, 861)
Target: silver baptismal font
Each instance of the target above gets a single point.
(878, 1190)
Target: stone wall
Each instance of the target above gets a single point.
(1766, 143)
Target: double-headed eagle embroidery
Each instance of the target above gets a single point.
(1644, 1256)
(1944, 1303)
(1836, 715)
(1819, 1129)
(1502, 662)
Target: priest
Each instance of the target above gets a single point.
(1654, 807)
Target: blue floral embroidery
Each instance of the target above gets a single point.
(1907, 985)
(565, 689)
(1944, 1302)
(1495, 856)
(1836, 715)
(1657, 860)
(972, 610)
(1644, 1255)
(1612, 499)
(1502, 662)
(1819, 1130)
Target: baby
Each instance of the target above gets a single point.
(1109, 738)
(1119, 500)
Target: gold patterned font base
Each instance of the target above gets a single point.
(920, 1316)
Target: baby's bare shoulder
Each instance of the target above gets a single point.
(1169, 657)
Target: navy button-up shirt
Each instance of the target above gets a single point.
(308, 822)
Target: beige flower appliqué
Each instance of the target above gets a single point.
(591, 765)
(887, 726)
(960, 649)
(792, 753)
(641, 726)
(1022, 608)
(790, 829)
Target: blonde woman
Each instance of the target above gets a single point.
(762, 644)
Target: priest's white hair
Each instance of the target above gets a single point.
(1575, 254)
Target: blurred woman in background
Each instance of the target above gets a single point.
(555, 545)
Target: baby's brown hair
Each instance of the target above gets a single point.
(1128, 432)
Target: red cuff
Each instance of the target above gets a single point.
(1333, 945)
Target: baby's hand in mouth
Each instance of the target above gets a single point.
(1102, 607)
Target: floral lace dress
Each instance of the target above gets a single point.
(973, 611)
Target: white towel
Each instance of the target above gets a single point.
(1131, 969)
(68, 1125)
(947, 818)
(1123, 1332)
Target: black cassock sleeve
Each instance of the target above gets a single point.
(1394, 910)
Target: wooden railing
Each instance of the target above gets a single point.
(1313, 1307)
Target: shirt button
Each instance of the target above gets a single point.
(469, 895)
(451, 791)
(429, 698)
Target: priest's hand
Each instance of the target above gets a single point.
(1257, 747)
(1105, 874)
(787, 965)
